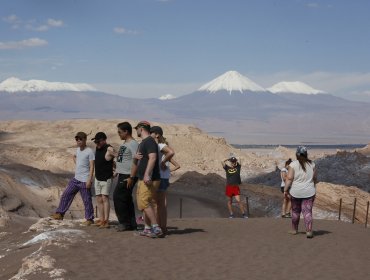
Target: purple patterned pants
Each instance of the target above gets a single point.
(303, 205)
(75, 186)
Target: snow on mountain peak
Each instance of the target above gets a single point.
(14, 84)
(167, 97)
(231, 81)
(293, 87)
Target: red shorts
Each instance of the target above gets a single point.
(232, 190)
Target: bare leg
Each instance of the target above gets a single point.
(99, 202)
(150, 218)
(229, 205)
(241, 206)
(161, 210)
(289, 206)
(106, 207)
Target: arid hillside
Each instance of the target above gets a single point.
(36, 162)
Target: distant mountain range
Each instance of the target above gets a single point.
(230, 106)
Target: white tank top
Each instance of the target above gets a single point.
(303, 185)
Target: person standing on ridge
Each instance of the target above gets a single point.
(81, 182)
(149, 179)
(233, 180)
(165, 158)
(104, 156)
(301, 186)
(286, 207)
(122, 196)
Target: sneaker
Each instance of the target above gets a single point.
(87, 223)
(231, 216)
(146, 232)
(104, 224)
(57, 216)
(309, 234)
(245, 216)
(293, 232)
(157, 232)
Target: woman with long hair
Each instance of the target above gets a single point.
(165, 157)
(301, 179)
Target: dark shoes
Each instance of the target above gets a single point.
(122, 227)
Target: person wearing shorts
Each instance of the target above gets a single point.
(146, 167)
(165, 158)
(104, 155)
(233, 180)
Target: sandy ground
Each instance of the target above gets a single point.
(258, 248)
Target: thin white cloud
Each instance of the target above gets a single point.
(28, 43)
(122, 30)
(32, 25)
(12, 19)
(40, 28)
(55, 23)
(50, 23)
(312, 5)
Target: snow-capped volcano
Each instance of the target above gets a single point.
(16, 85)
(231, 81)
(293, 87)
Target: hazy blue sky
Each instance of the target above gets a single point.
(156, 47)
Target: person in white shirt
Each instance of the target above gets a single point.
(165, 158)
(286, 207)
(301, 179)
(81, 182)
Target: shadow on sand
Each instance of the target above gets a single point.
(320, 232)
(175, 230)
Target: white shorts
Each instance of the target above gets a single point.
(102, 187)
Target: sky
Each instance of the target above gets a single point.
(150, 48)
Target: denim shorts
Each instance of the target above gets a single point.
(165, 183)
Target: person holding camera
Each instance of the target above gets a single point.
(233, 180)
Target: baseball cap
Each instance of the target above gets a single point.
(157, 130)
(99, 136)
(233, 159)
(143, 124)
(81, 135)
(301, 150)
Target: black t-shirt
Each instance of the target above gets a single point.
(146, 147)
(103, 168)
(233, 175)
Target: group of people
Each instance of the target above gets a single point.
(298, 184)
(146, 165)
